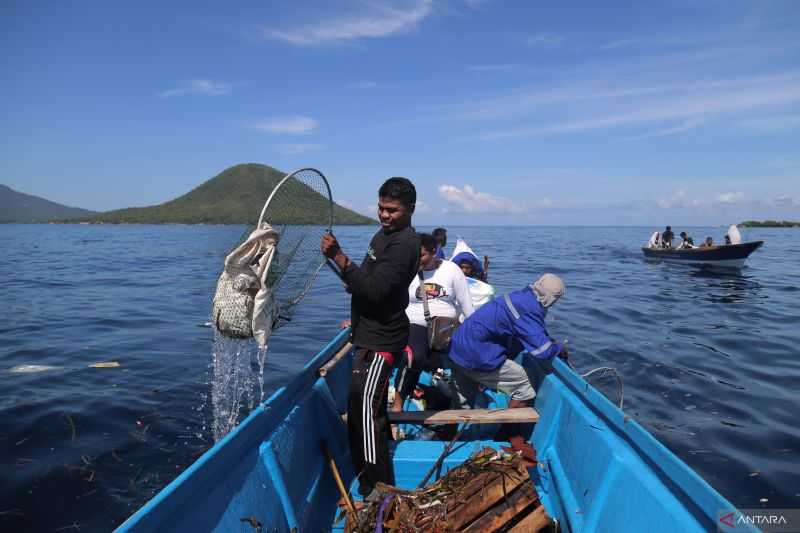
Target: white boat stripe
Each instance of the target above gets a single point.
(542, 348)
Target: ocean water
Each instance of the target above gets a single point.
(710, 361)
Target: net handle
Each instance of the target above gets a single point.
(291, 175)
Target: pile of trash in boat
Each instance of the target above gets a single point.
(489, 492)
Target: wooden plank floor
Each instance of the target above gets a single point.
(474, 416)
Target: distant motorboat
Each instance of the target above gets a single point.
(725, 256)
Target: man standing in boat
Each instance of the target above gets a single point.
(667, 237)
(379, 289)
(483, 348)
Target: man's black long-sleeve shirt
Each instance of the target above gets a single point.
(380, 290)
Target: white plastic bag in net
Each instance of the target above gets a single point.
(243, 305)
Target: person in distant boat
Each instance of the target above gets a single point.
(483, 348)
(727, 239)
(448, 296)
(667, 237)
(709, 243)
(686, 242)
(440, 234)
(379, 289)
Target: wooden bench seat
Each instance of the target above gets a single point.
(474, 416)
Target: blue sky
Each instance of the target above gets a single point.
(501, 112)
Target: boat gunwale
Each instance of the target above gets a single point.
(736, 251)
(177, 492)
(689, 488)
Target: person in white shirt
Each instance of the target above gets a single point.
(448, 296)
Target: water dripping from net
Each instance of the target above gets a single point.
(237, 381)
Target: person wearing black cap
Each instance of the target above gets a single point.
(666, 237)
(687, 242)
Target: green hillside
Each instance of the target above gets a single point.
(18, 207)
(236, 196)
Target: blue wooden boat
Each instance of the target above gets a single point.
(599, 470)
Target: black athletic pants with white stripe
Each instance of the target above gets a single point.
(368, 421)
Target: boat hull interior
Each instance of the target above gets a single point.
(599, 470)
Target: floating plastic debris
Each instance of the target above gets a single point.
(30, 369)
(105, 364)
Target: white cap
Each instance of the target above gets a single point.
(548, 289)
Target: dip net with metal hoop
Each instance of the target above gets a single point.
(300, 210)
(264, 279)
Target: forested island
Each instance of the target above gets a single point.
(770, 224)
(234, 196)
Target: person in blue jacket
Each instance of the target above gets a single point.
(483, 348)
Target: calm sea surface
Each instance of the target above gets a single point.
(710, 361)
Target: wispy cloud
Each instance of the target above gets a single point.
(680, 199)
(686, 125)
(649, 41)
(296, 125)
(544, 39)
(382, 21)
(499, 67)
(715, 99)
(785, 200)
(771, 124)
(362, 85)
(422, 208)
(298, 148)
(203, 87)
(730, 198)
(677, 199)
(469, 200)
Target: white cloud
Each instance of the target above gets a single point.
(382, 21)
(204, 87)
(678, 199)
(471, 201)
(422, 208)
(730, 198)
(785, 200)
(298, 148)
(296, 125)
